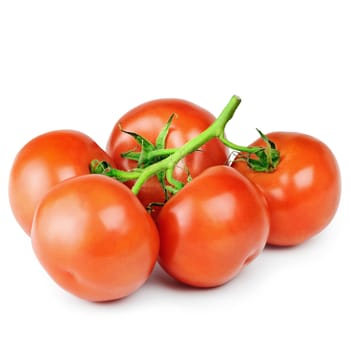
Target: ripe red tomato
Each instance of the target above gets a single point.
(45, 161)
(212, 228)
(303, 192)
(94, 238)
(148, 120)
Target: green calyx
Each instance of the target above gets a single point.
(157, 160)
(260, 159)
(150, 153)
(265, 159)
(154, 153)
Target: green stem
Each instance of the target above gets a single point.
(102, 167)
(162, 162)
(172, 181)
(232, 145)
(214, 130)
(162, 153)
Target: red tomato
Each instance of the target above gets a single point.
(303, 192)
(45, 161)
(212, 228)
(94, 238)
(148, 120)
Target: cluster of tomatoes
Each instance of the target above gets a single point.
(96, 239)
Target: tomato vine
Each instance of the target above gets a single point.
(156, 160)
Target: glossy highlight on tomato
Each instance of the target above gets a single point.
(147, 120)
(212, 228)
(94, 238)
(303, 192)
(45, 161)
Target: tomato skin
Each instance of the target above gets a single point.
(147, 120)
(212, 228)
(94, 238)
(303, 193)
(45, 161)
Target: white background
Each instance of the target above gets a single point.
(82, 64)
